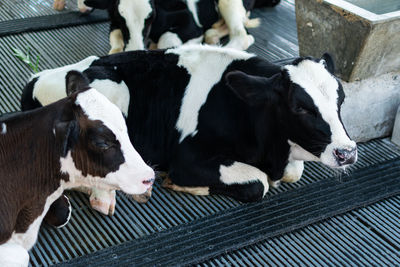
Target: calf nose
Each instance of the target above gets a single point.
(345, 156)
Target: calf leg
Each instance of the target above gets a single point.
(234, 14)
(293, 171)
(59, 212)
(116, 41)
(239, 180)
(214, 35)
(59, 5)
(82, 7)
(103, 201)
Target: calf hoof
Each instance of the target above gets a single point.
(241, 42)
(115, 51)
(59, 5)
(84, 8)
(143, 198)
(13, 255)
(274, 184)
(212, 37)
(293, 172)
(59, 212)
(103, 202)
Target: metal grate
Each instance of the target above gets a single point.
(18, 9)
(365, 237)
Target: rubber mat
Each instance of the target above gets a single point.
(367, 236)
(249, 223)
(49, 22)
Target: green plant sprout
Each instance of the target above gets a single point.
(26, 58)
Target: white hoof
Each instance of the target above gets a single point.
(293, 171)
(103, 201)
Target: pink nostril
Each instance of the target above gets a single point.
(149, 181)
(340, 154)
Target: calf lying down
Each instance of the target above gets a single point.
(219, 121)
(80, 140)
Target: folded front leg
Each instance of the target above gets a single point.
(217, 175)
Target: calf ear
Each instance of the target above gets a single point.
(67, 134)
(329, 62)
(254, 90)
(75, 81)
(99, 4)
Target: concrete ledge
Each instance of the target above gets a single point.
(370, 106)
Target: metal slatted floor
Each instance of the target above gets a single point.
(361, 237)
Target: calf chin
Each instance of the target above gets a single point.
(143, 198)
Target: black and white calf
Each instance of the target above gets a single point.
(130, 22)
(81, 140)
(170, 23)
(220, 121)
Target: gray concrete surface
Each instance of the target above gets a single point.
(370, 106)
(364, 44)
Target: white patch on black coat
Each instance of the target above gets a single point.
(3, 128)
(322, 87)
(132, 173)
(192, 6)
(135, 14)
(205, 64)
(49, 87)
(241, 173)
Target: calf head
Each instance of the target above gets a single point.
(96, 150)
(305, 100)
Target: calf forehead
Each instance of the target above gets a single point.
(97, 107)
(316, 81)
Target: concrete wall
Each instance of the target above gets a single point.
(370, 106)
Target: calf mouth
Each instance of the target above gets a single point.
(149, 182)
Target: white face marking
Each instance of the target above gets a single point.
(192, 6)
(3, 128)
(50, 87)
(241, 173)
(13, 255)
(28, 239)
(205, 64)
(135, 14)
(132, 173)
(322, 87)
(168, 40)
(117, 93)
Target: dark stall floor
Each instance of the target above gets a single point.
(343, 219)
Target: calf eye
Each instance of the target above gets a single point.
(101, 145)
(300, 110)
